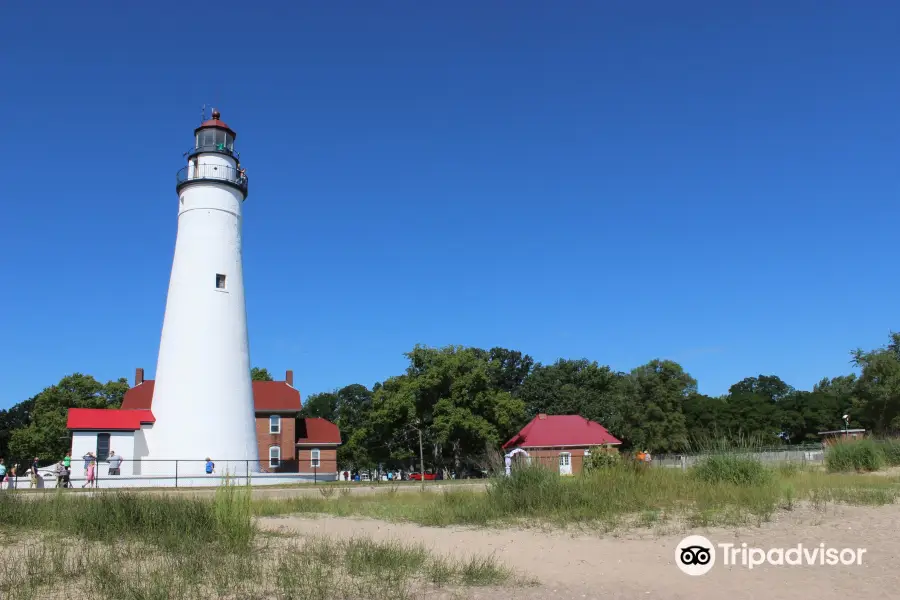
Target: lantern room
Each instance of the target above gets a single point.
(214, 135)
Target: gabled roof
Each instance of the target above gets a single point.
(553, 431)
(275, 396)
(316, 430)
(108, 419)
(268, 396)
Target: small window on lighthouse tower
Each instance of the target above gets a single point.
(220, 281)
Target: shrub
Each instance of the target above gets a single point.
(733, 469)
(891, 447)
(601, 458)
(857, 455)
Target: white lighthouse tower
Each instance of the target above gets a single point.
(203, 396)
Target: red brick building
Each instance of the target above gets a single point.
(560, 441)
(287, 443)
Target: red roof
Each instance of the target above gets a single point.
(109, 419)
(554, 431)
(268, 396)
(316, 430)
(215, 122)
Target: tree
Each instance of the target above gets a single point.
(17, 417)
(447, 393)
(46, 436)
(876, 399)
(322, 405)
(653, 417)
(575, 387)
(507, 369)
(705, 418)
(348, 408)
(257, 374)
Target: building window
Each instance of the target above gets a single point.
(220, 281)
(314, 458)
(102, 446)
(274, 457)
(274, 424)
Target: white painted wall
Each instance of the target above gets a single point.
(203, 399)
(122, 442)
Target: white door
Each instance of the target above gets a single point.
(565, 463)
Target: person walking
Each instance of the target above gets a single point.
(210, 466)
(60, 474)
(90, 473)
(2, 469)
(87, 461)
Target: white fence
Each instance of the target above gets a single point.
(802, 456)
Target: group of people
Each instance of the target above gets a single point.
(62, 471)
(643, 456)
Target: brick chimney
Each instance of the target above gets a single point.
(138, 376)
(289, 378)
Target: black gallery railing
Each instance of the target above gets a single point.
(223, 173)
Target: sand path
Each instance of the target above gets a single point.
(642, 564)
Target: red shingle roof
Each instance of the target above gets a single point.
(108, 419)
(553, 431)
(268, 396)
(316, 430)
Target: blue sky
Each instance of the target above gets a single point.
(620, 181)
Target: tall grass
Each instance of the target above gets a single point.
(867, 454)
(166, 521)
(722, 489)
(733, 469)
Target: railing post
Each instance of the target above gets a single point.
(176, 472)
(315, 474)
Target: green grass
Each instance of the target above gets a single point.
(722, 490)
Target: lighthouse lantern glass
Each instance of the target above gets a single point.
(215, 139)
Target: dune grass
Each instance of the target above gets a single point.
(722, 490)
(862, 455)
(313, 568)
(132, 546)
(168, 522)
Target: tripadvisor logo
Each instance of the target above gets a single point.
(696, 555)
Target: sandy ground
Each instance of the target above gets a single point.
(642, 564)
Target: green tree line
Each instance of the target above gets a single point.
(466, 401)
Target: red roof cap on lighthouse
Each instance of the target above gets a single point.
(215, 123)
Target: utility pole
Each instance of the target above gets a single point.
(421, 458)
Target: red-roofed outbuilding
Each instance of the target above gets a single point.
(561, 439)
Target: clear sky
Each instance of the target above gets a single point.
(614, 180)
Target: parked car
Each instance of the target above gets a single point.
(418, 476)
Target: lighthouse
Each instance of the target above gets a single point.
(203, 396)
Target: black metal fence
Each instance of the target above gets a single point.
(115, 472)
